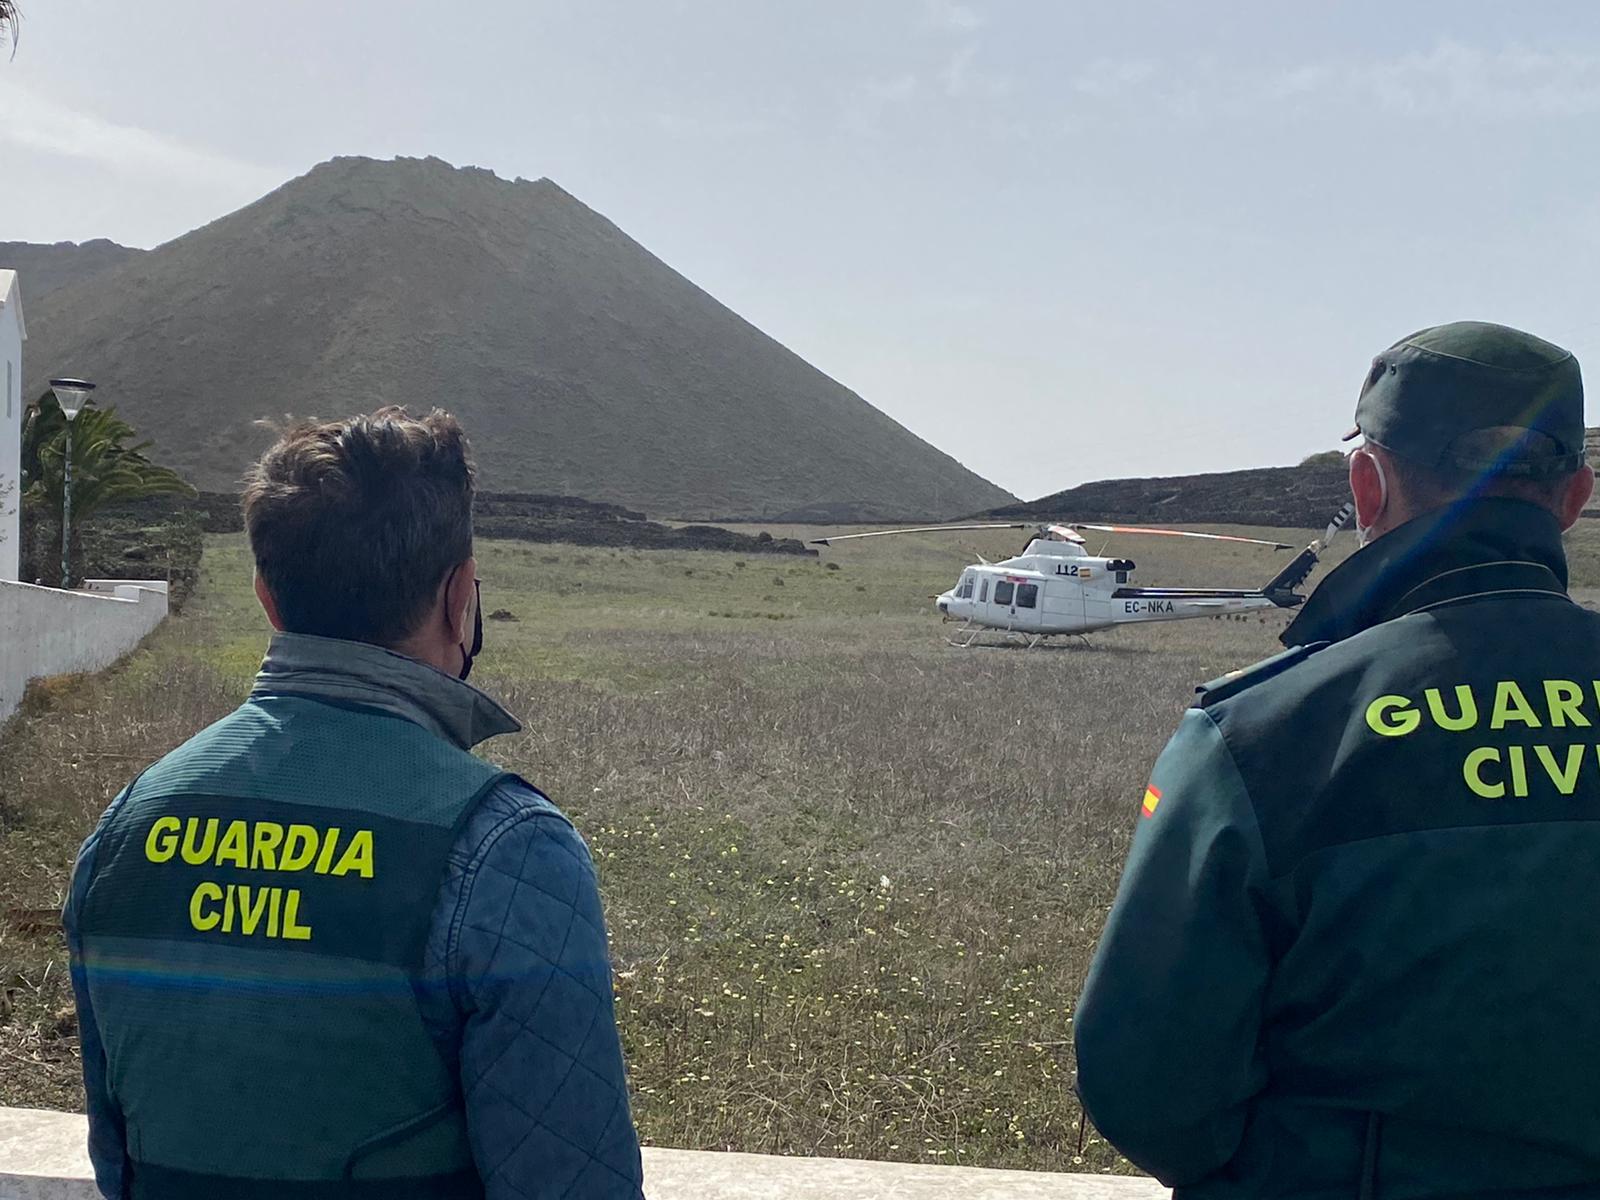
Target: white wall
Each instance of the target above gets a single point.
(10, 431)
(45, 631)
(44, 1156)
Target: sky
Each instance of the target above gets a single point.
(1061, 241)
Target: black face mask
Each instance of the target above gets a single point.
(467, 655)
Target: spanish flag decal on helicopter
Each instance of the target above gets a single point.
(1152, 797)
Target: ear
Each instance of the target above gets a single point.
(460, 593)
(268, 604)
(1367, 488)
(1576, 497)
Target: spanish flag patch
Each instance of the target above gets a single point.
(1152, 797)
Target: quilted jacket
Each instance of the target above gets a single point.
(517, 986)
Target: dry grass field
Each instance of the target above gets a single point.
(853, 876)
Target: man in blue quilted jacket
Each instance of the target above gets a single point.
(320, 949)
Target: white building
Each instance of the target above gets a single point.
(12, 334)
(45, 631)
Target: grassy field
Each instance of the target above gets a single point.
(853, 876)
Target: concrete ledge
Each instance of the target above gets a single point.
(128, 589)
(47, 631)
(43, 1157)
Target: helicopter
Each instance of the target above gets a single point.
(1055, 586)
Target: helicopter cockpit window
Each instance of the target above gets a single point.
(964, 592)
(1003, 592)
(1027, 595)
(983, 593)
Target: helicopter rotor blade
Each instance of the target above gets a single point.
(1210, 537)
(1340, 520)
(1281, 590)
(1065, 532)
(845, 537)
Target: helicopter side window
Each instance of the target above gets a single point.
(1027, 595)
(983, 592)
(964, 592)
(1003, 592)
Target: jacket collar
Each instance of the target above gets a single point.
(1469, 549)
(321, 668)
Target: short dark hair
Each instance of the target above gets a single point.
(1438, 485)
(355, 523)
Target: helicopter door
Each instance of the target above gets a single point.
(1005, 599)
(1026, 611)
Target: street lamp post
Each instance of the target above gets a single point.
(71, 395)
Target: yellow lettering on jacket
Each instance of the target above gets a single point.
(1518, 759)
(299, 848)
(255, 909)
(329, 844)
(1393, 716)
(252, 907)
(1565, 778)
(1511, 705)
(1472, 769)
(272, 912)
(1457, 708)
(1564, 700)
(161, 843)
(1466, 709)
(357, 855)
(264, 846)
(292, 929)
(196, 852)
(204, 892)
(235, 848)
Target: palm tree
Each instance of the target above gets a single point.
(8, 20)
(106, 468)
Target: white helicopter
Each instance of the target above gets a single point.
(1055, 586)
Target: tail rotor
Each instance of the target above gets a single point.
(1281, 590)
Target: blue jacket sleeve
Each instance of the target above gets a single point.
(107, 1132)
(1167, 1030)
(540, 1059)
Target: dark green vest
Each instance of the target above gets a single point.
(252, 938)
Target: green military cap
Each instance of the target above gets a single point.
(1426, 392)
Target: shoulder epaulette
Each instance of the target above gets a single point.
(1235, 682)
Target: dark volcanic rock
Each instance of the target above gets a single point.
(44, 268)
(578, 361)
(535, 518)
(1302, 497)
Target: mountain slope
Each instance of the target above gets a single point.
(580, 363)
(1294, 497)
(1302, 497)
(44, 268)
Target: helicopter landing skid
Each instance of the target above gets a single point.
(966, 636)
(970, 635)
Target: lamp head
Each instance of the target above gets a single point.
(71, 394)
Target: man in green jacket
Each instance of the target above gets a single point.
(1356, 947)
(321, 951)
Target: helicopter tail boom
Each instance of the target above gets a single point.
(1281, 589)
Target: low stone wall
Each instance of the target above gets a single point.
(46, 631)
(42, 1157)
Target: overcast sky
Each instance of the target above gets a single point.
(1061, 241)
